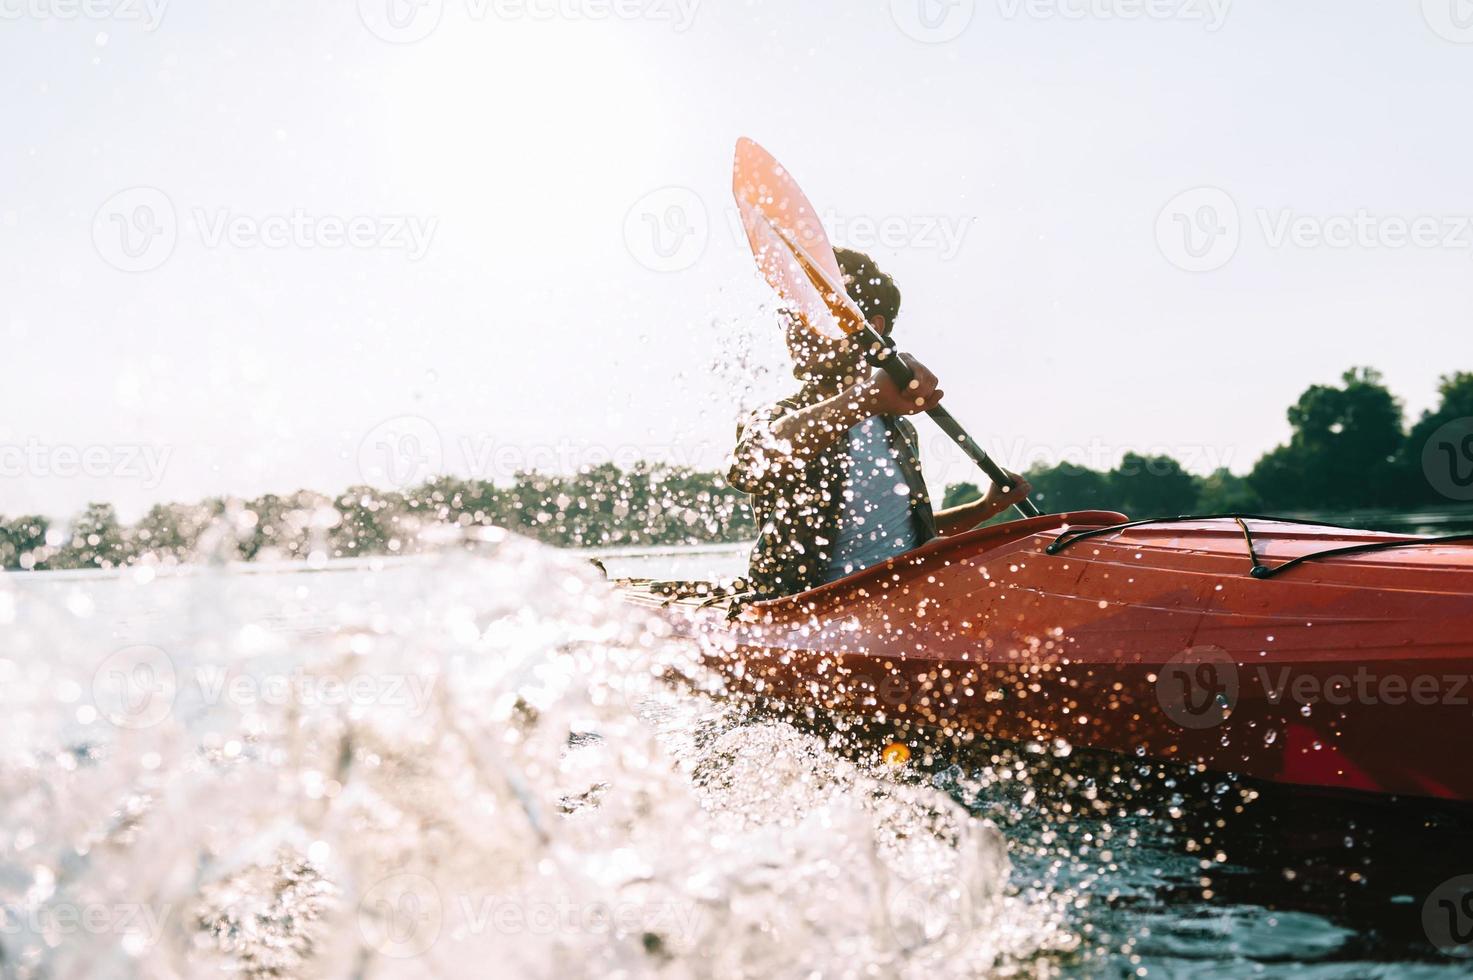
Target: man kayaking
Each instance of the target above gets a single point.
(834, 470)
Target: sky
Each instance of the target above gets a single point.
(268, 246)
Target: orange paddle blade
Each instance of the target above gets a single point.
(789, 243)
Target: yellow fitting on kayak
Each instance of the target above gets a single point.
(896, 754)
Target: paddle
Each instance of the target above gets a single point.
(796, 259)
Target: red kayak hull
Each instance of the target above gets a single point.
(1154, 642)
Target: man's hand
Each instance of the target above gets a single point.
(1000, 498)
(880, 395)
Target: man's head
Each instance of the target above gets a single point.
(873, 292)
(818, 359)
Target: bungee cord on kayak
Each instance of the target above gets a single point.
(1258, 570)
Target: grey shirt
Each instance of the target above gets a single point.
(876, 520)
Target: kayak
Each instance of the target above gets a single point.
(1295, 653)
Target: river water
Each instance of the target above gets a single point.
(465, 764)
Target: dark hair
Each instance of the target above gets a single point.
(870, 288)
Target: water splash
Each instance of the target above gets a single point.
(426, 766)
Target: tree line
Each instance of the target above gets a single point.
(1349, 449)
(603, 506)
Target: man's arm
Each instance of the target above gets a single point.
(964, 517)
(774, 448)
(812, 430)
(809, 431)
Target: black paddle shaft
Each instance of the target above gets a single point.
(880, 350)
